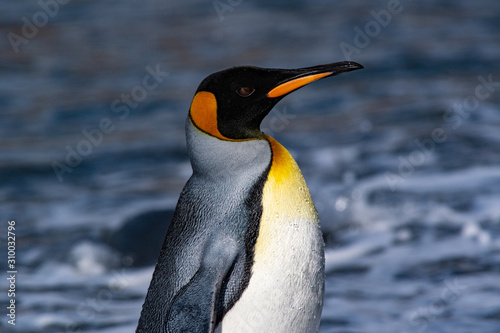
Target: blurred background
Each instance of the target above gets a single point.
(402, 158)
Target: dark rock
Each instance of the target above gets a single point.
(141, 237)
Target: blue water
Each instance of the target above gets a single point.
(402, 158)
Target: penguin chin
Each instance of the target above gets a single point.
(255, 134)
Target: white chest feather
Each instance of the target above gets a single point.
(285, 293)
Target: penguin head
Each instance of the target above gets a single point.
(232, 103)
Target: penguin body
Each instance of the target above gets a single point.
(244, 250)
(285, 293)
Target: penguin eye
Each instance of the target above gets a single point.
(245, 91)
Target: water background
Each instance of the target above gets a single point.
(402, 158)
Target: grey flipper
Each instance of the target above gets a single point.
(195, 307)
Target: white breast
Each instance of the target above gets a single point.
(285, 292)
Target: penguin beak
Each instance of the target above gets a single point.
(303, 76)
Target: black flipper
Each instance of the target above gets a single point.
(196, 307)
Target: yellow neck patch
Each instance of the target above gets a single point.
(283, 167)
(286, 199)
(285, 182)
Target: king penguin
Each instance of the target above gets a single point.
(244, 250)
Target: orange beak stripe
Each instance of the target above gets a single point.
(292, 85)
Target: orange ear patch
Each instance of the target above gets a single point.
(204, 113)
